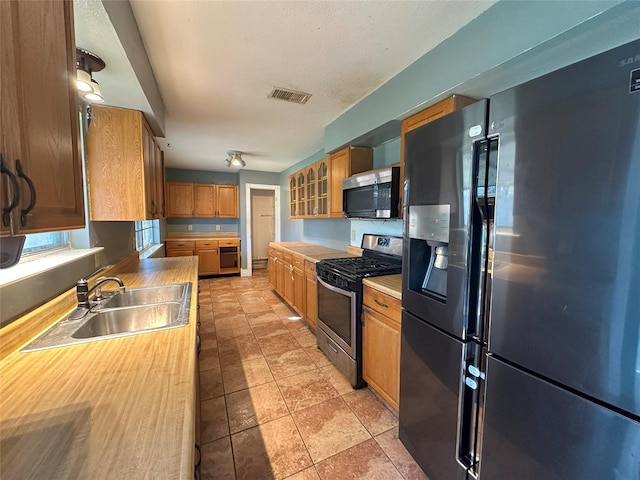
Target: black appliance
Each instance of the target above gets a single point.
(520, 353)
(372, 194)
(339, 283)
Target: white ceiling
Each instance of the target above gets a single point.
(216, 61)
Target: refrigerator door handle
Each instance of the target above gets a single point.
(471, 379)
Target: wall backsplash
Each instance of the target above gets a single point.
(203, 224)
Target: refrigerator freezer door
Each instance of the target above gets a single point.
(429, 382)
(534, 430)
(439, 171)
(566, 277)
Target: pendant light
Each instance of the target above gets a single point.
(234, 159)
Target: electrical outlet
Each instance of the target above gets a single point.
(353, 235)
(217, 228)
(189, 227)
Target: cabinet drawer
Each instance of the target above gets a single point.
(298, 262)
(383, 303)
(229, 243)
(176, 252)
(286, 258)
(206, 243)
(180, 244)
(310, 267)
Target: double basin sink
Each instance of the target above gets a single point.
(134, 311)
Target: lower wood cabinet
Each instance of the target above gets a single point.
(381, 321)
(310, 293)
(214, 256)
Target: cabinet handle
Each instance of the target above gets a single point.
(32, 191)
(382, 304)
(6, 211)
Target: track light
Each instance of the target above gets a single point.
(87, 63)
(234, 159)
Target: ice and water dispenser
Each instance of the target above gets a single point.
(429, 250)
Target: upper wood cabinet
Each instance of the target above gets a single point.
(344, 163)
(202, 200)
(123, 166)
(440, 109)
(41, 187)
(293, 196)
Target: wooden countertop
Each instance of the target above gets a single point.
(118, 408)
(389, 284)
(311, 252)
(202, 236)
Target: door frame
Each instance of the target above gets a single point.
(247, 272)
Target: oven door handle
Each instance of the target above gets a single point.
(346, 293)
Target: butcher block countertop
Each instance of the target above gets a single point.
(389, 284)
(311, 252)
(117, 408)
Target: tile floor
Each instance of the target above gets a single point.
(273, 406)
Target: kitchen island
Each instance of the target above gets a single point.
(117, 408)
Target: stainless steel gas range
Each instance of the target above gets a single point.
(340, 300)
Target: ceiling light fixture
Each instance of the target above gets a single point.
(87, 63)
(234, 159)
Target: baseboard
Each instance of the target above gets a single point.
(244, 272)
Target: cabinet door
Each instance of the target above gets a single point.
(281, 271)
(288, 283)
(311, 306)
(339, 171)
(179, 199)
(293, 195)
(208, 261)
(271, 268)
(322, 188)
(159, 183)
(204, 200)
(298, 291)
(300, 208)
(179, 253)
(40, 114)
(311, 192)
(227, 197)
(381, 355)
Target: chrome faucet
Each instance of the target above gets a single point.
(83, 291)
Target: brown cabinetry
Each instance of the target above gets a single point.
(214, 256)
(272, 266)
(344, 163)
(381, 320)
(41, 186)
(124, 166)
(288, 277)
(310, 293)
(202, 200)
(429, 114)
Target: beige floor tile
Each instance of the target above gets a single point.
(233, 331)
(208, 340)
(273, 450)
(247, 374)
(319, 358)
(337, 379)
(240, 348)
(214, 419)
(364, 461)
(255, 406)
(404, 462)
(217, 460)
(329, 428)
(208, 358)
(268, 329)
(307, 474)
(256, 305)
(224, 322)
(290, 363)
(283, 311)
(304, 337)
(211, 383)
(294, 324)
(225, 298)
(306, 389)
(278, 344)
(261, 317)
(373, 414)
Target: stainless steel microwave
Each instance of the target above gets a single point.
(372, 194)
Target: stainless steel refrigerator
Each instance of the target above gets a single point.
(520, 354)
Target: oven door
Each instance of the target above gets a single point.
(337, 315)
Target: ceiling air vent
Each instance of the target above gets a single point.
(289, 95)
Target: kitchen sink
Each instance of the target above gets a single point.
(129, 320)
(143, 296)
(134, 311)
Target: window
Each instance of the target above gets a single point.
(147, 233)
(40, 242)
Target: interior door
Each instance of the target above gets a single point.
(262, 222)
